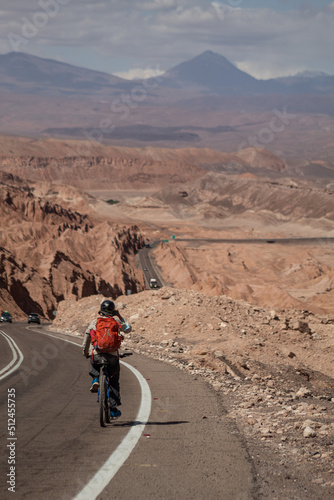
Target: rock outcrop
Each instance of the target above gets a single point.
(90, 165)
(22, 289)
(122, 171)
(50, 253)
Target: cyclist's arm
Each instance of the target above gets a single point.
(116, 313)
(86, 344)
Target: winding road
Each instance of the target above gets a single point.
(172, 441)
(151, 270)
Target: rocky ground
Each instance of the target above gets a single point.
(272, 368)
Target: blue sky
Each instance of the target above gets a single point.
(266, 38)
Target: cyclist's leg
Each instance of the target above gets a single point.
(94, 366)
(95, 372)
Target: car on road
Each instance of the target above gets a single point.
(6, 317)
(153, 283)
(145, 269)
(34, 318)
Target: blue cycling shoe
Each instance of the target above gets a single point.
(115, 413)
(95, 385)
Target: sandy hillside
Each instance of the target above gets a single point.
(266, 275)
(207, 323)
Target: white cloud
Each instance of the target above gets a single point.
(139, 73)
(156, 5)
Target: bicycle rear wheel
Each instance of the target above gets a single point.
(108, 416)
(103, 400)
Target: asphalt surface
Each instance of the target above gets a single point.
(189, 448)
(149, 268)
(279, 241)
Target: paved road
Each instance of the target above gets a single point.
(152, 271)
(60, 445)
(246, 241)
(278, 241)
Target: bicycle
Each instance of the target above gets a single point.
(103, 396)
(104, 389)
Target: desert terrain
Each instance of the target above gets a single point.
(244, 225)
(205, 102)
(244, 244)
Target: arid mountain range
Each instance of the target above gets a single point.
(205, 102)
(23, 73)
(208, 72)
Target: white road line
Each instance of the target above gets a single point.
(17, 357)
(108, 470)
(53, 336)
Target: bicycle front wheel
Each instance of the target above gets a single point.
(103, 400)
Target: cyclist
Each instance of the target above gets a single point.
(107, 308)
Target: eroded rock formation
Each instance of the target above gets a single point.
(50, 253)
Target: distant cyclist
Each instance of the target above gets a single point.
(92, 346)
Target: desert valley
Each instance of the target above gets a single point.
(234, 195)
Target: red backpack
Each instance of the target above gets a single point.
(107, 338)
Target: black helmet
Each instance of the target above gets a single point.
(107, 307)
